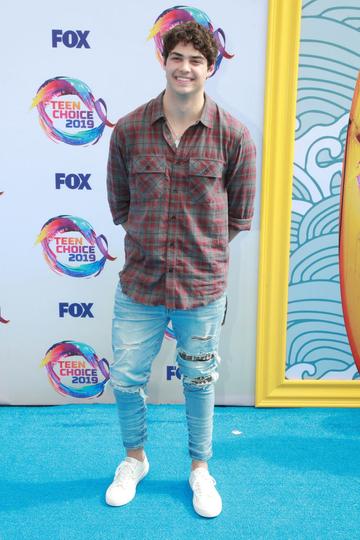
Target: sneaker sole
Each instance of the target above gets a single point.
(203, 514)
(133, 497)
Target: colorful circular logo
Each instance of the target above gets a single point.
(69, 113)
(169, 332)
(71, 247)
(74, 369)
(181, 14)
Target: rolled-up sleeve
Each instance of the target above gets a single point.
(241, 181)
(117, 179)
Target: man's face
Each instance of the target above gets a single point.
(186, 70)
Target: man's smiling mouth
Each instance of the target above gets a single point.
(183, 79)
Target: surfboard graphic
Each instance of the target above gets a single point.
(349, 244)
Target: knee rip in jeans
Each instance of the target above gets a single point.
(202, 338)
(127, 347)
(204, 357)
(131, 390)
(204, 379)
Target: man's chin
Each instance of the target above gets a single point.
(184, 90)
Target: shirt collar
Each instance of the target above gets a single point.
(157, 108)
(206, 117)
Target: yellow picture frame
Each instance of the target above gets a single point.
(272, 389)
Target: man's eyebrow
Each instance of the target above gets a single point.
(195, 56)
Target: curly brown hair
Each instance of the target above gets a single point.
(191, 32)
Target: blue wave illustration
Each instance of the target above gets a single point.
(329, 61)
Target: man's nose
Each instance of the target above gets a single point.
(185, 66)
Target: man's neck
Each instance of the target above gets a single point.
(183, 110)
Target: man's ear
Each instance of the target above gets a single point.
(211, 70)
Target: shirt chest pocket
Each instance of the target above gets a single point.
(205, 181)
(148, 177)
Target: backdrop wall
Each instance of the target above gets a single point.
(70, 72)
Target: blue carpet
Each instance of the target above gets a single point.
(290, 474)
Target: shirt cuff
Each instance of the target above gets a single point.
(239, 224)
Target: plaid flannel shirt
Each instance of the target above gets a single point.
(178, 202)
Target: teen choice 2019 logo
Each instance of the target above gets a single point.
(71, 247)
(69, 113)
(169, 332)
(182, 14)
(74, 369)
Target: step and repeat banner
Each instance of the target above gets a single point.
(70, 72)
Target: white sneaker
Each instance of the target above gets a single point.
(127, 476)
(206, 500)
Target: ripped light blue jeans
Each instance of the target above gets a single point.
(137, 335)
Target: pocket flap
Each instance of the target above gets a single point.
(206, 167)
(149, 164)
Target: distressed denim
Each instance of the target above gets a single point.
(137, 335)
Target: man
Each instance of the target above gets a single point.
(181, 181)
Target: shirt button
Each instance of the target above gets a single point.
(171, 269)
(172, 244)
(175, 190)
(173, 218)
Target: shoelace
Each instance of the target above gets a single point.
(124, 473)
(204, 484)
